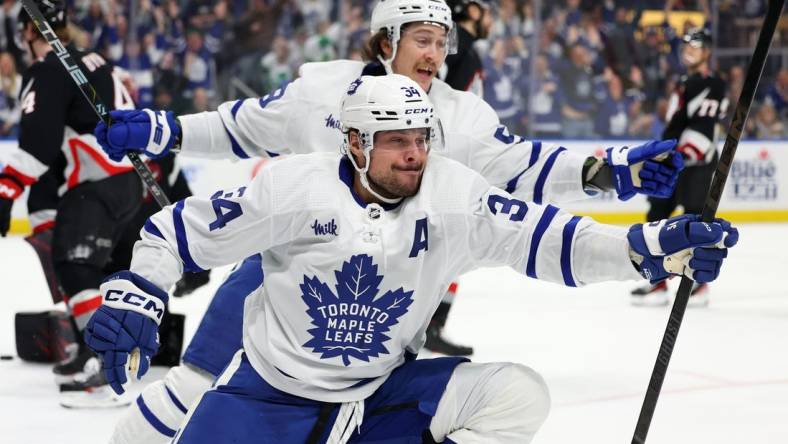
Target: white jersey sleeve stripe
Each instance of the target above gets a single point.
(566, 251)
(237, 150)
(151, 228)
(542, 179)
(183, 243)
(236, 107)
(541, 227)
(536, 148)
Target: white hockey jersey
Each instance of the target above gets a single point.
(303, 116)
(349, 288)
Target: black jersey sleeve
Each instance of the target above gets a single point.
(698, 103)
(44, 100)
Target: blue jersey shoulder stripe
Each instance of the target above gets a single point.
(180, 237)
(544, 222)
(540, 181)
(152, 419)
(536, 148)
(151, 228)
(566, 251)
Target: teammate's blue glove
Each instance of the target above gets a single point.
(651, 169)
(128, 318)
(681, 245)
(151, 132)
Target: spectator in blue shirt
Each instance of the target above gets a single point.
(612, 117)
(577, 85)
(778, 93)
(499, 86)
(546, 102)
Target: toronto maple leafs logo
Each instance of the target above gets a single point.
(353, 321)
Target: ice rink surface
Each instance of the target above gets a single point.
(727, 382)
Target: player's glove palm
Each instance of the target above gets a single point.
(681, 245)
(637, 170)
(128, 319)
(151, 132)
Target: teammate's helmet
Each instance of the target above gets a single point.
(383, 103)
(54, 11)
(392, 14)
(698, 38)
(459, 8)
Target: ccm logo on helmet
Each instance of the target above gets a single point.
(136, 300)
(417, 111)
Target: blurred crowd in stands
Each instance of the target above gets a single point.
(593, 70)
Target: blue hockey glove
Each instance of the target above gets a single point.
(681, 245)
(128, 318)
(151, 132)
(651, 169)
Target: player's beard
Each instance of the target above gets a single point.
(390, 186)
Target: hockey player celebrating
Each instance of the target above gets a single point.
(410, 37)
(695, 108)
(330, 336)
(98, 196)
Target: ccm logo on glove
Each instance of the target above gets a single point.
(117, 299)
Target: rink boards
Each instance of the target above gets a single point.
(756, 191)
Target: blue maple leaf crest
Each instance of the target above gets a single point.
(353, 320)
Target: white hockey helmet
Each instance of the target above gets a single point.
(392, 14)
(383, 103)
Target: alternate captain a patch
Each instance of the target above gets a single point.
(352, 321)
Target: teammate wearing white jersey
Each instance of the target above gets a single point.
(304, 117)
(355, 250)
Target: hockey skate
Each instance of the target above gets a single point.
(699, 295)
(438, 344)
(91, 391)
(650, 295)
(80, 364)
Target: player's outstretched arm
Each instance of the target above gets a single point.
(257, 127)
(546, 173)
(544, 242)
(128, 319)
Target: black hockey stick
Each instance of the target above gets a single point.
(709, 210)
(91, 95)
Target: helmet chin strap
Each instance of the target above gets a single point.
(365, 180)
(387, 62)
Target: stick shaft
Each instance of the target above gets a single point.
(709, 210)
